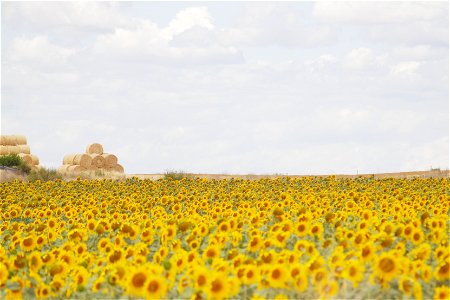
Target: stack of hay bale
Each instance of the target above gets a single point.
(93, 160)
(17, 144)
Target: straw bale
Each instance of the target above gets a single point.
(76, 168)
(83, 160)
(118, 168)
(63, 168)
(4, 150)
(24, 149)
(21, 139)
(94, 148)
(13, 149)
(35, 159)
(68, 159)
(97, 160)
(110, 159)
(26, 158)
(9, 140)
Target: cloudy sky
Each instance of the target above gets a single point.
(241, 87)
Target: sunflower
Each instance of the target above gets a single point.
(57, 283)
(43, 291)
(367, 252)
(354, 272)
(441, 293)
(442, 271)
(35, 261)
(406, 285)
(3, 273)
(276, 276)
(28, 243)
(81, 276)
(250, 274)
(387, 266)
(302, 228)
(211, 252)
(218, 286)
(328, 289)
(137, 280)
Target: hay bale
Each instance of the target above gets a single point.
(76, 169)
(118, 168)
(94, 148)
(83, 160)
(21, 139)
(4, 150)
(63, 169)
(97, 160)
(110, 160)
(26, 158)
(13, 149)
(35, 159)
(9, 140)
(3, 140)
(24, 149)
(68, 159)
(93, 168)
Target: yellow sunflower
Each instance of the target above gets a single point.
(387, 266)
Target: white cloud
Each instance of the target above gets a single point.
(187, 19)
(379, 12)
(179, 94)
(152, 44)
(57, 16)
(411, 23)
(38, 50)
(276, 24)
(408, 68)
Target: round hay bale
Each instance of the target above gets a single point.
(118, 168)
(83, 160)
(3, 140)
(24, 149)
(63, 169)
(21, 140)
(94, 148)
(35, 159)
(110, 159)
(76, 169)
(68, 159)
(97, 160)
(26, 158)
(93, 168)
(4, 150)
(13, 149)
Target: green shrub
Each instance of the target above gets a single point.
(176, 175)
(10, 160)
(44, 174)
(14, 161)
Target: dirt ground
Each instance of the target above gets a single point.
(421, 174)
(9, 175)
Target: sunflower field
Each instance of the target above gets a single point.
(285, 238)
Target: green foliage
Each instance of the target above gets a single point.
(176, 175)
(10, 160)
(44, 174)
(14, 161)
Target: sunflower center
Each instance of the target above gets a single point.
(138, 280)
(153, 286)
(201, 280)
(216, 286)
(276, 274)
(387, 265)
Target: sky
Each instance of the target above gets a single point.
(230, 87)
